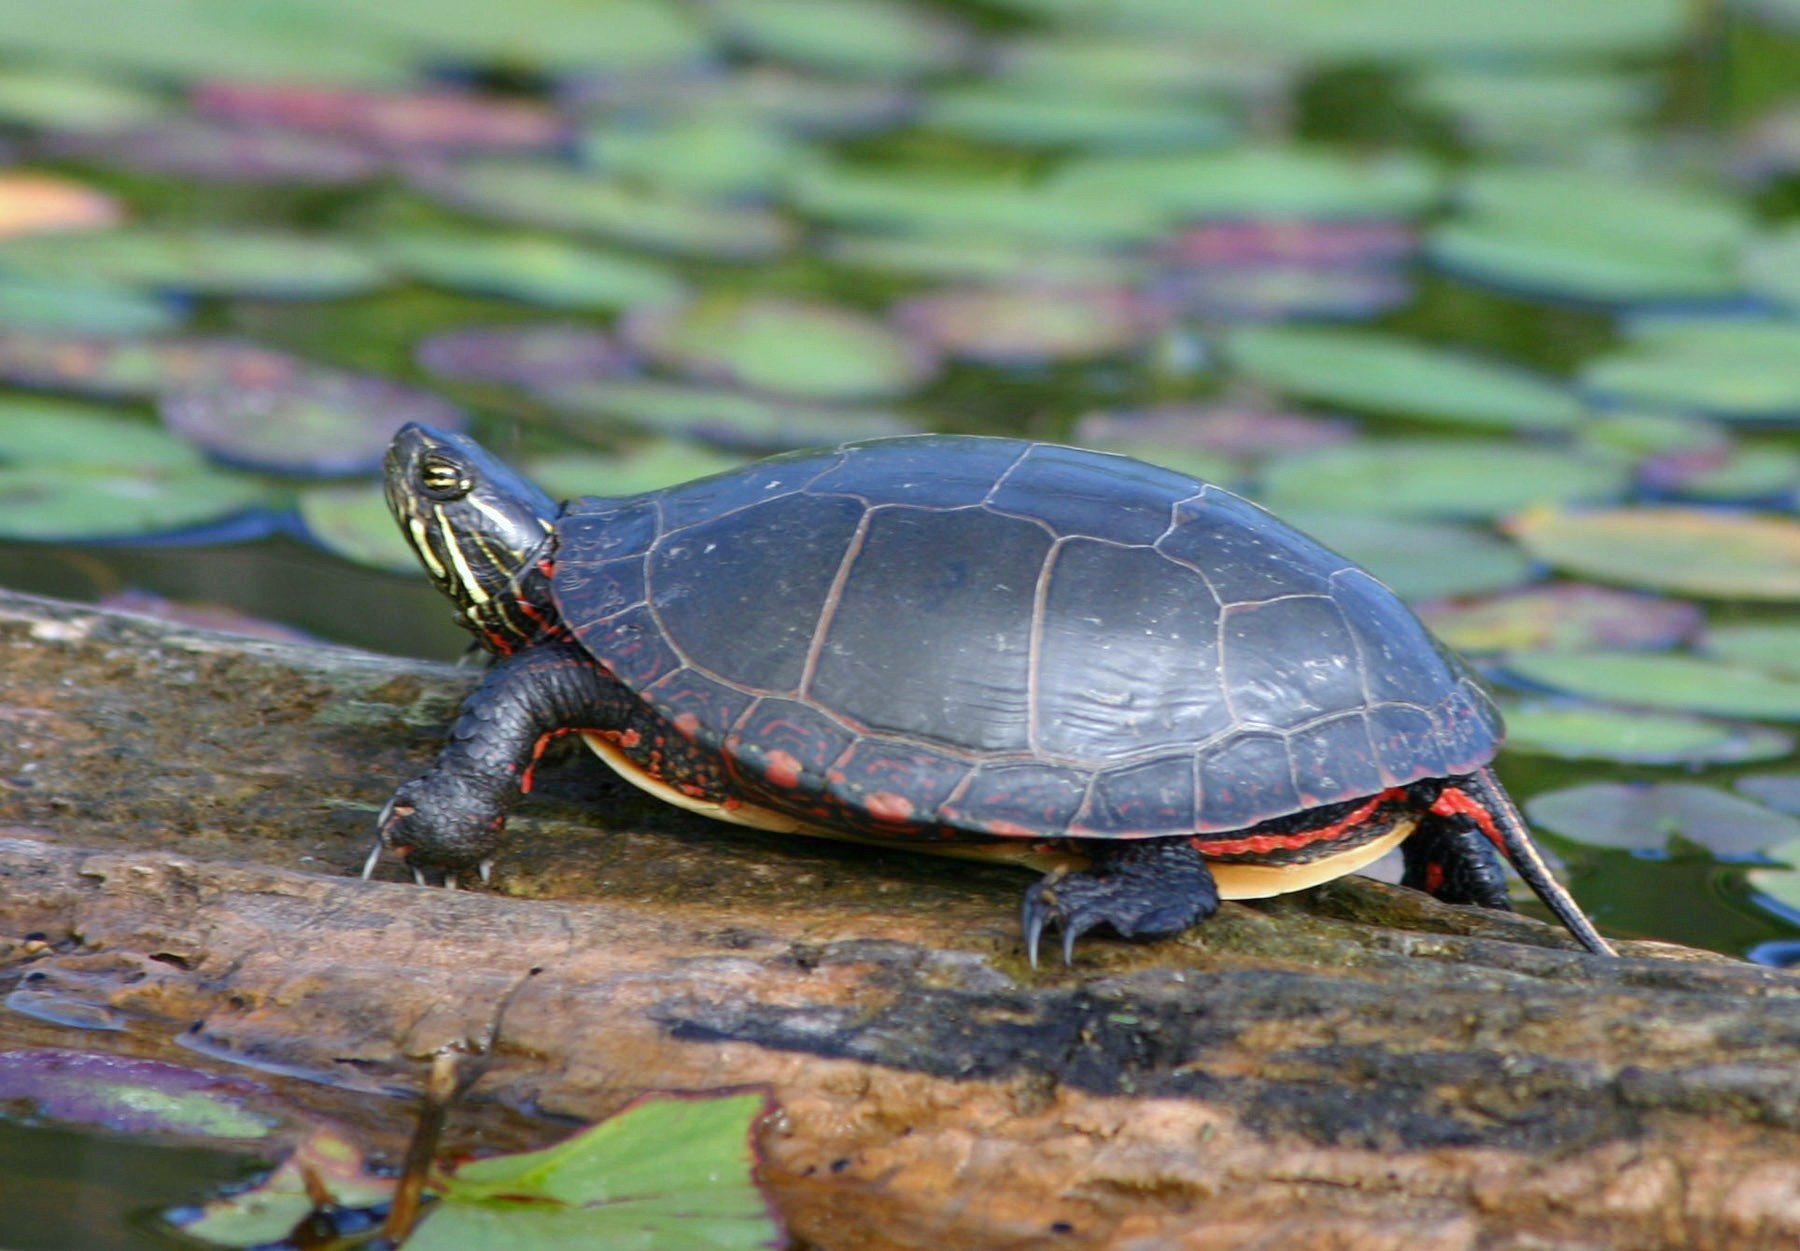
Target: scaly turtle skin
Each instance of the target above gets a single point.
(978, 646)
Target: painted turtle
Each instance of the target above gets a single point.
(983, 646)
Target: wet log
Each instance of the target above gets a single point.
(182, 815)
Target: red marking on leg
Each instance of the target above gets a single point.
(543, 745)
(1434, 878)
(1259, 844)
(1456, 802)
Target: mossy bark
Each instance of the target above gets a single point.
(1357, 1067)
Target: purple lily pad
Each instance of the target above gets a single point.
(131, 1095)
(1237, 430)
(87, 365)
(211, 151)
(799, 103)
(1283, 292)
(318, 423)
(1026, 325)
(1781, 791)
(1271, 241)
(394, 121)
(1565, 616)
(537, 354)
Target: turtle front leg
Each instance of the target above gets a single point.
(453, 817)
(1143, 888)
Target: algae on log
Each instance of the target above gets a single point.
(1357, 1067)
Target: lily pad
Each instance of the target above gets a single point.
(321, 422)
(132, 1095)
(536, 269)
(51, 432)
(1241, 430)
(1349, 244)
(1729, 368)
(849, 38)
(1637, 737)
(799, 103)
(1127, 65)
(1474, 479)
(796, 348)
(1563, 616)
(267, 1213)
(71, 102)
(210, 151)
(976, 259)
(724, 418)
(1027, 324)
(651, 467)
(1773, 647)
(551, 196)
(390, 121)
(1678, 683)
(77, 503)
(1645, 818)
(532, 354)
(1258, 182)
(1531, 107)
(1284, 292)
(1685, 550)
(211, 261)
(91, 365)
(353, 521)
(1752, 473)
(711, 155)
(1780, 791)
(57, 306)
(1057, 118)
(33, 204)
(1418, 560)
(1385, 373)
(1771, 266)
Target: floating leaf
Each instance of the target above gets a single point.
(211, 151)
(1057, 118)
(1771, 266)
(202, 261)
(723, 418)
(1638, 737)
(1385, 373)
(1532, 107)
(1563, 616)
(35, 204)
(667, 1171)
(1750, 473)
(851, 38)
(798, 103)
(1283, 292)
(995, 260)
(710, 155)
(131, 1095)
(398, 121)
(50, 432)
(1644, 818)
(266, 1214)
(1233, 430)
(1258, 182)
(1731, 368)
(1685, 550)
(57, 306)
(1436, 478)
(353, 521)
(69, 102)
(74, 503)
(537, 269)
(1680, 683)
(784, 347)
(541, 194)
(1418, 560)
(651, 467)
(1771, 646)
(1123, 64)
(534, 354)
(1350, 244)
(1780, 791)
(1026, 324)
(114, 367)
(321, 422)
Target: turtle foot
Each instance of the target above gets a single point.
(1151, 888)
(442, 824)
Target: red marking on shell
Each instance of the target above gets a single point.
(783, 770)
(1262, 844)
(887, 806)
(626, 738)
(687, 724)
(1010, 829)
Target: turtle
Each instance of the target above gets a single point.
(1135, 680)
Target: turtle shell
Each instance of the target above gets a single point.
(986, 638)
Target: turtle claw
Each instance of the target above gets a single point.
(1147, 889)
(373, 858)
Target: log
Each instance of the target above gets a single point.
(182, 814)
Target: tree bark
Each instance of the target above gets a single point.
(1358, 1067)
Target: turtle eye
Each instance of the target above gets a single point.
(442, 478)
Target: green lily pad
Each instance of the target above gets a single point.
(783, 347)
(91, 365)
(977, 259)
(1056, 118)
(724, 418)
(1638, 737)
(1279, 292)
(930, 201)
(71, 102)
(320, 422)
(1780, 791)
(1635, 435)
(1258, 182)
(1685, 550)
(1384, 373)
(1126, 65)
(1771, 266)
(850, 38)
(666, 1173)
(651, 467)
(796, 102)
(1563, 616)
(58, 306)
(434, 121)
(352, 520)
(1419, 560)
(1026, 324)
(1598, 206)
(74, 503)
(532, 354)
(211, 261)
(711, 155)
(1677, 683)
(1729, 368)
(1750, 473)
(1474, 479)
(1772, 647)
(1644, 818)
(1561, 262)
(557, 198)
(1531, 106)
(536, 269)
(267, 1213)
(51, 432)
(1234, 430)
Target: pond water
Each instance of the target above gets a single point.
(1493, 298)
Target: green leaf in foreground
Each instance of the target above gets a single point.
(1681, 683)
(668, 1173)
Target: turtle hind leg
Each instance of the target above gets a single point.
(1143, 888)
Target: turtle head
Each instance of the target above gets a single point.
(477, 526)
